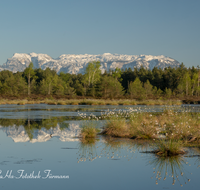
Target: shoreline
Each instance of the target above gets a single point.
(88, 101)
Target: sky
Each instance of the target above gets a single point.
(133, 27)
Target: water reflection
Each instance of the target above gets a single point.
(36, 111)
(87, 150)
(102, 151)
(109, 148)
(195, 153)
(41, 130)
(170, 167)
(118, 149)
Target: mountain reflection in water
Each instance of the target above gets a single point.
(106, 150)
(41, 130)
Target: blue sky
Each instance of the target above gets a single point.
(134, 27)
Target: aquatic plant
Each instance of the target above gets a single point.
(88, 130)
(116, 128)
(143, 126)
(166, 148)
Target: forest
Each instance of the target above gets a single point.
(179, 82)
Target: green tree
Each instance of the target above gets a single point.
(136, 89)
(20, 84)
(184, 86)
(168, 92)
(92, 72)
(117, 74)
(110, 87)
(48, 82)
(194, 84)
(29, 74)
(92, 76)
(148, 88)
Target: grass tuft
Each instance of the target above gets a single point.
(116, 128)
(89, 131)
(169, 148)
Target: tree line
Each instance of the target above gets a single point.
(140, 83)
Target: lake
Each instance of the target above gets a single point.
(41, 149)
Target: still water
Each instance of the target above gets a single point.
(41, 149)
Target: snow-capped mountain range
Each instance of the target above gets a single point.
(18, 134)
(69, 63)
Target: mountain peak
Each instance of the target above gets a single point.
(70, 63)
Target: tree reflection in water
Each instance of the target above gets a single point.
(30, 125)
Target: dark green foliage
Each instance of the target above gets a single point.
(136, 89)
(30, 124)
(12, 84)
(29, 74)
(110, 87)
(138, 83)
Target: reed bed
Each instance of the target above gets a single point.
(52, 101)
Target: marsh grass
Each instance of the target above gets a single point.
(135, 125)
(116, 128)
(88, 141)
(21, 103)
(61, 103)
(159, 102)
(89, 130)
(52, 103)
(165, 148)
(180, 126)
(169, 125)
(143, 126)
(50, 100)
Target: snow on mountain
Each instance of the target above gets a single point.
(69, 63)
(18, 134)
